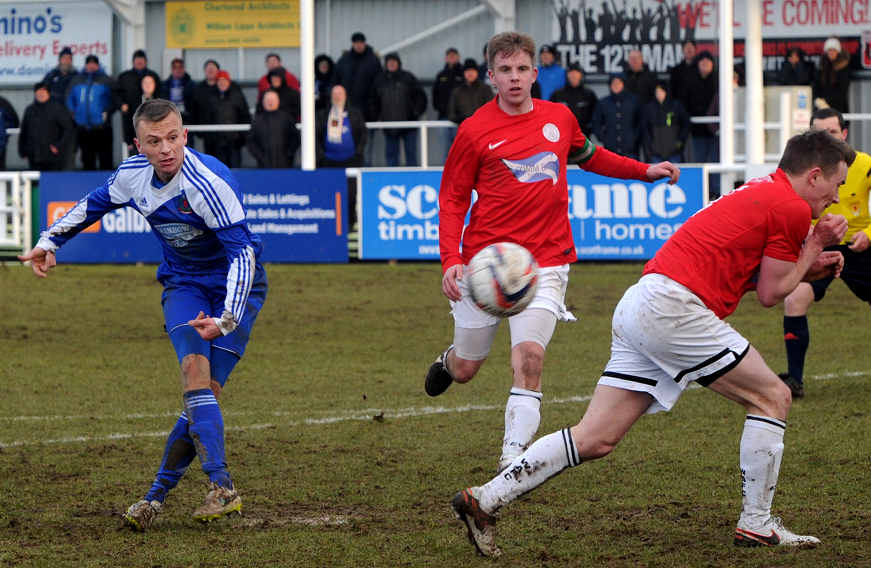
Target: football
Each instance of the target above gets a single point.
(502, 278)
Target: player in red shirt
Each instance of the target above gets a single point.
(514, 153)
(668, 331)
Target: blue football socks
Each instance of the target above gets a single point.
(206, 429)
(177, 456)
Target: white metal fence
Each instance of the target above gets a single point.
(15, 210)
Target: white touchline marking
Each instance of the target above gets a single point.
(365, 414)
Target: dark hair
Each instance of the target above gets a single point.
(139, 53)
(275, 55)
(154, 110)
(815, 148)
(509, 43)
(825, 113)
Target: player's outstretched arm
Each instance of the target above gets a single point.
(664, 170)
(449, 282)
(206, 327)
(41, 261)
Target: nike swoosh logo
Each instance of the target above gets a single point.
(497, 144)
(771, 540)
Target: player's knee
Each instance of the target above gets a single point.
(774, 401)
(531, 364)
(195, 373)
(463, 370)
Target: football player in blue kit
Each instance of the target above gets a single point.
(194, 206)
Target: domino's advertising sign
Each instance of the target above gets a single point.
(611, 219)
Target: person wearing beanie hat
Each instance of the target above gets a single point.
(700, 89)
(447, 79)
(471, 95)
(550, 75)
(398, 96)
(128, 90)
(356, 71)
(227, 105)
(46, 130)
(616, 120)
(575, 95)
(833, 80)
(58, 80)
(92, 103)
(665, 127)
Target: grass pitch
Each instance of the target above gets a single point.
(342, 460)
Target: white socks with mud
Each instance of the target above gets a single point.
(544, 459)
(761, 452)
(522, 417)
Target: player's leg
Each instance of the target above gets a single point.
(796, 335)
(206, 419)
(767, 401)
(474, 331)
(531, 331)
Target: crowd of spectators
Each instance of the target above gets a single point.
(644, 116)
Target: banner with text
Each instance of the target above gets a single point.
(611, 219)
(247, 23)
(32, 36)
(299, 216)
(599, 36)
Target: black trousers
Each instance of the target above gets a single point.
(96, 143)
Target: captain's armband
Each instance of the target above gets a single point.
(583, 155)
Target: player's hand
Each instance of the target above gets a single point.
(860, 242)
(829, 263)
(664, 170)
(830, 230)
(40, 261)
(206, 327)
(449, 282)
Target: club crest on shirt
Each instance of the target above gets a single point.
(539, 167)
(551, 132)
(855, 209)
(183, 206)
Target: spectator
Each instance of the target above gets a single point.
(8, 119)
(833, 81)
(58, 80)
(92, 102)
(398, 96)
(356, 71)
(796, 69)
(179, 88)
(324, 68)
(471, 95)
(273, 139)
(449, 77)
(228, 106)
(665, 127)
(679, 73)
(340, 141)
(273, 61)
(128, 90)
(550, 75)
(701, 88)
(483, 68)
(45, 131)
(640, 80)
(616, 121)
(201, 110)
(288, 98)
(580, 100)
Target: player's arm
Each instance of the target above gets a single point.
(455, 196)
(84, 214)
(778, 278)
(604, 162)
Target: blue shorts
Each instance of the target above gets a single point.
(184, 297)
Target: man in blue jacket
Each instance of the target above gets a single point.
(92, 103)
(617, 120)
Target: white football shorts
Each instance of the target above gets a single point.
(663, 337)
(475, 329)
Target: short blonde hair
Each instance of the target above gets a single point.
(509, 43)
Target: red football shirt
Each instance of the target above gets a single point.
(717, 252)
(517, 165)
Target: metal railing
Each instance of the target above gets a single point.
(15, 210)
